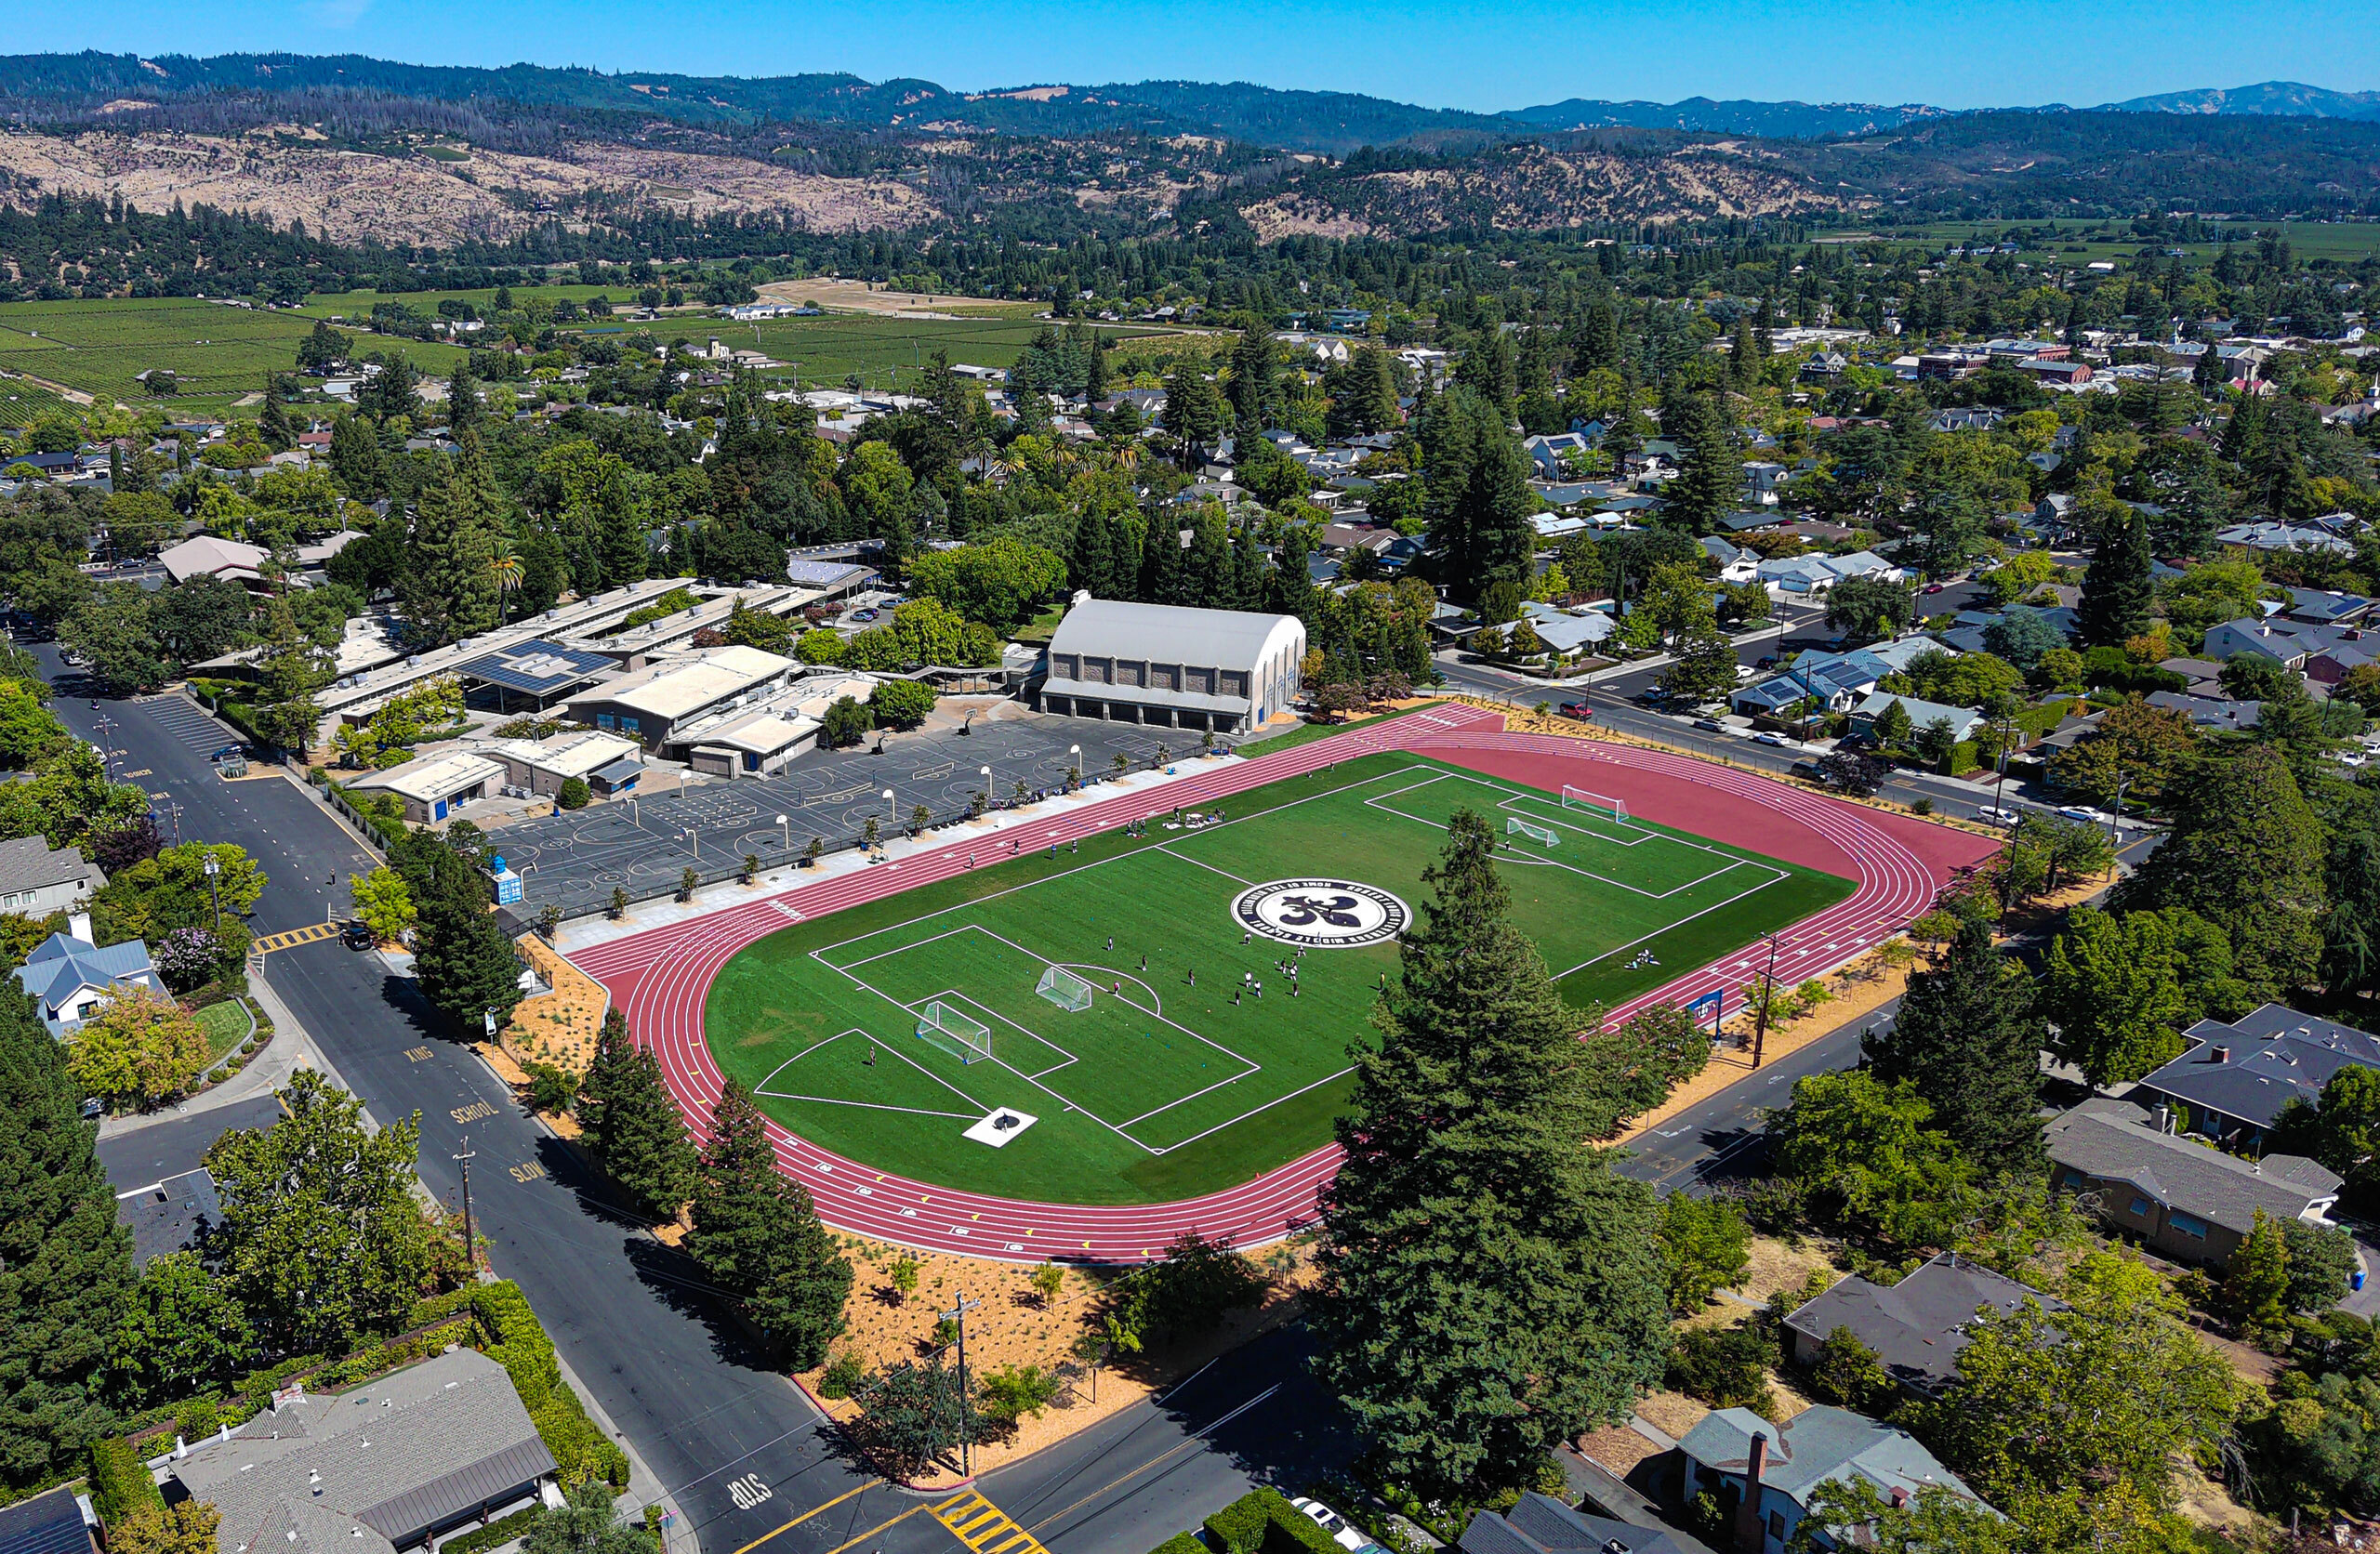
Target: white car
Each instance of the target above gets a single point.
(2003, 817)
(1346, 1536)
(2076, 811)
(1764, 737)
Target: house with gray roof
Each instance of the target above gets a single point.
(68, 976)
(2220, 713)
(2237, 1077)
(36, 880)
(57, 1521)
(1916, 1326)
(1765, 1475)
(1921, 713)
(388, 1466)
(169, 1215)
(1541, 1524)
(2178, 1196)
(2265, 534)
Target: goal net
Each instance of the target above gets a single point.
(944, 1027)
(1064, 989)
(1594, 803)
(1516, 826)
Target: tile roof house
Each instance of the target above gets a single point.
(36, 882)
(68, 976)
(2236, 1079)
(1541, 1524)
(1916, 1326)
(388, 1466)
(2174, 1194)
(1765, 1474)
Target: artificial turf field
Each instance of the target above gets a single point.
(1168, 1090)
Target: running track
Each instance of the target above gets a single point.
(659, 978)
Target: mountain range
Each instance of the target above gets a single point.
(1310, 122)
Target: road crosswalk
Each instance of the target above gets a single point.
(983, 1527)
(307, 935)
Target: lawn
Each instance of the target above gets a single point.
(1177, 1079)
(225, 1024)
(825, 351)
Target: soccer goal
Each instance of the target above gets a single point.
(1516, 826)
(1064, 989)
(1594, 803)
(944, 1027)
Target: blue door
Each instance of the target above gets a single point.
(440, 813)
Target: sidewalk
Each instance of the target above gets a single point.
(292, 1047)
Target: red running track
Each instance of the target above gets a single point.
(659, 978)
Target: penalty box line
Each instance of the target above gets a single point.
(762, 1087)
(1774, 874)
(1380, 804)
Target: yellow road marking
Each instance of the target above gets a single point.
(983, 1527)
(309, 935)
(808, 1514)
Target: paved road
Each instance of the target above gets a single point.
(175, 1145)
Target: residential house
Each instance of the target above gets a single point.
(393, 1464)
(68, 976)
(1835, 679)
(2322, 607)
(2176, 1195)
(36, 880)
(209, 556)
(2235, 1078)
(1763, 479)
(1917, 1326)
(1807, 576)
(1765, 1475)
(1736, 564)
(169, 1215)
(2204, 674)
(2221, 714)
(1547, 453)
(1541, 1524)
(2284, 644)
(56, 1521)
(1923, 714)
(2265, 534)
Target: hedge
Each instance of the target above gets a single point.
(518, 1342)
(1265, 1522)
(494, 1533)
(1180, 1543)
(120, 1485)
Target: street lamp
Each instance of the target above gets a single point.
(213, 892)
(786, 826)
(987, 787)
(1075, 752)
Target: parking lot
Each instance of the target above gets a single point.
(577, 860)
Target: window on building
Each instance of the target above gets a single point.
(2189, 1224)
(603, 719)
(2140, 1207)
(1777, 1525)
(627, 725)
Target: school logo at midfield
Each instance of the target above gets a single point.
(1321, 913)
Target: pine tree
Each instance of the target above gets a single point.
(355, 458)
(1968, 1037)
(273, 425)
(1711, 472)
(467, 966)
(1491, 1286)
(65, 1264)
(633, 1123)
(758, 1237)
(447, 590)
(2117, 590)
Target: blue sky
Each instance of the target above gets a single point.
(1444, 53)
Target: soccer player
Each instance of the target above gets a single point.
(1111, 941)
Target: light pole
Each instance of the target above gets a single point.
(695, 837)
(470, 1248)
(967, 1432)
(786, 827)
(1075, 753)
(213, 892)
(987, 787)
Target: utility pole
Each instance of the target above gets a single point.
(966, 1429)
(1769, 997)
(213, 892)
(471, 1246)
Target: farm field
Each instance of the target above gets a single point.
(825, 351)
(1152, 1070)
(2333, 240)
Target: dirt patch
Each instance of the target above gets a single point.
(558, 1027)
(859, 296)
(1618, 1449)
(1014, 1326)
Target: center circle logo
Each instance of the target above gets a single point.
(1321, 913)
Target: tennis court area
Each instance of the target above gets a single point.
(1169, 1010)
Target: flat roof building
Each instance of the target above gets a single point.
(542, 765)
(655, 705)
(433, 785)
(1225, 671)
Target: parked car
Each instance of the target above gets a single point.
(356, 935)
(1765, 737)
(1711, 725)
(2076, 811)
(863, 614)
(1331, 1522)
(1935, 588)
(1998, 816)
(1577, 709)
(227, 753)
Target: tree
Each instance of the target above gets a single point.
(185, 1527)
(2112, 1391)
(1848, 771)
(2322, 1263)
(1708, 1244)
(1864, 1151)
(900, 704)
(384, 902)
(573, 793)
(1001, 582)
(2246, 853)
(1703, 667)
(1711, 472)
(2342, 1131)
(183, 1331)
(1893, 728)
(1677, 597)
(320, 1239)
(468, 968)
(2113, 988)
(65, 1264)
(2256, 1277)
(587, 1522)
(2117, 590)
(138, 1049)
(1968, 1040)
(1477, 497)
(2141, 746)
(1848, 1373)
(757, 1236)
(632, 1121)
(2021, 635)
(447, 590)
(1490, 1286)
(914, 1418)
(1869, 606)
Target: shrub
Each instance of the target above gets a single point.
(1726, 1367)
(119, 1484)
(575, 794)
(1265, 1522)
(844, 1372)
(1012, 1391)
(1182, 1543)
(495, 1534)
(518, 1342)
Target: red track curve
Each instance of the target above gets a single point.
(659, 979)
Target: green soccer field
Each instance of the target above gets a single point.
(1177, 1078)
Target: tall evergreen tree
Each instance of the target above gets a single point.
(633, 1123)
(1491, 1286)
(2117, 590)
(355, 458)
(1711, 472)
(1252, 386)
(65, 1264)
(1968, 1037)
(1477, 495)
(273, 425)
(467, 966)
(2246, 852)
(758, 1238)
(448, 590)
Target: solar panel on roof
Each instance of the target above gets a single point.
(536, 669)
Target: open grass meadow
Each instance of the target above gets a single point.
(1177, 1079)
